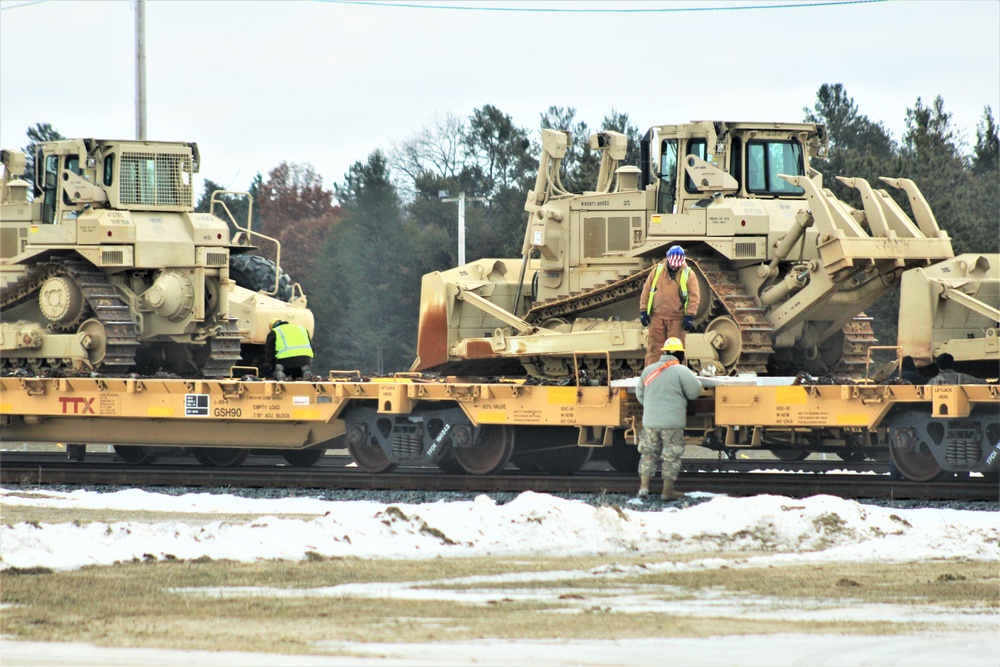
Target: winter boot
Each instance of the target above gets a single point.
(279, 373)
(668, 491)
(643, 486)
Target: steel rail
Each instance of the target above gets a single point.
(332, 477)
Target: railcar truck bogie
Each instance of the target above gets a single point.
(478, 428)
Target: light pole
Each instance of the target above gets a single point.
(461, 199)
(140, 70)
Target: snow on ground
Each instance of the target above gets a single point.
(820, 528)
(786, 530)
(929, 650)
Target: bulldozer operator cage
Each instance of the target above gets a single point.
(155, 179)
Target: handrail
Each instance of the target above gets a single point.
(576, 371)
(248, 229)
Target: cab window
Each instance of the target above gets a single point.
(50, 182)
(72, 163)
(668, 176)
(697, 147)
(736, 160)
(767, 159)
(109, 169)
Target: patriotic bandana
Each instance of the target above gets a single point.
(675, 257)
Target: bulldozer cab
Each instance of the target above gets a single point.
(71, 174)
(79, 184)
(693, 161)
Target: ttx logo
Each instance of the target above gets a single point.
(81, 406)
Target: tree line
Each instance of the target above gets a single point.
(359, 249)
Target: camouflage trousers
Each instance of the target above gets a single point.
(661, 444)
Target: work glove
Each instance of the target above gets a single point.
(688, 323)
(644, 318)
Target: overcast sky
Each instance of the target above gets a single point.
(327, 82)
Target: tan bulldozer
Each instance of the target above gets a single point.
(105, 266)
(785, 268)
(953, 307)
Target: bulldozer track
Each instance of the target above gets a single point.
(113, 312)
(27, 286)
(858, 337)
(107, 305)
(224, 352)
(728, 294)
(121, 333)
(612, 291)
(732, 300)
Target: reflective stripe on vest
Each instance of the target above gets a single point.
(652, 376)
(291, 340)
(648, 306)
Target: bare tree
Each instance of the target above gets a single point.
(439, 149)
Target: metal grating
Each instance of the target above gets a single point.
(745, 250)
(112, 258)
(154, 179)
(216, 259)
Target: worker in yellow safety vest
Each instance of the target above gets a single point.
(289, 351)
(669, 302)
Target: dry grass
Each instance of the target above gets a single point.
(947, 583)
(14, 514)
(136, 604)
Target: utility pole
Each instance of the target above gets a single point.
(140, 70)
(461, 199)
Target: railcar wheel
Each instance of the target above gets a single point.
(525, 462)
(489, 456)
(552, 449)
(912, 459)
(134, 455)
(565, 461)
(623, 457)
(449, 465)
(789, 454)
(304, 458)
(851, 455)
(367, 453)
(220, 457)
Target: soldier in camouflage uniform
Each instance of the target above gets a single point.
(664, 389)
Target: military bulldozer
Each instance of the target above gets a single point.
(953, 307)
(108, 268)
(785, 268)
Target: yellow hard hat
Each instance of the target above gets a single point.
(673, 344)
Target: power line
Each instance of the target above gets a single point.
(23, 4)
(595, 10)
(560, 10)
